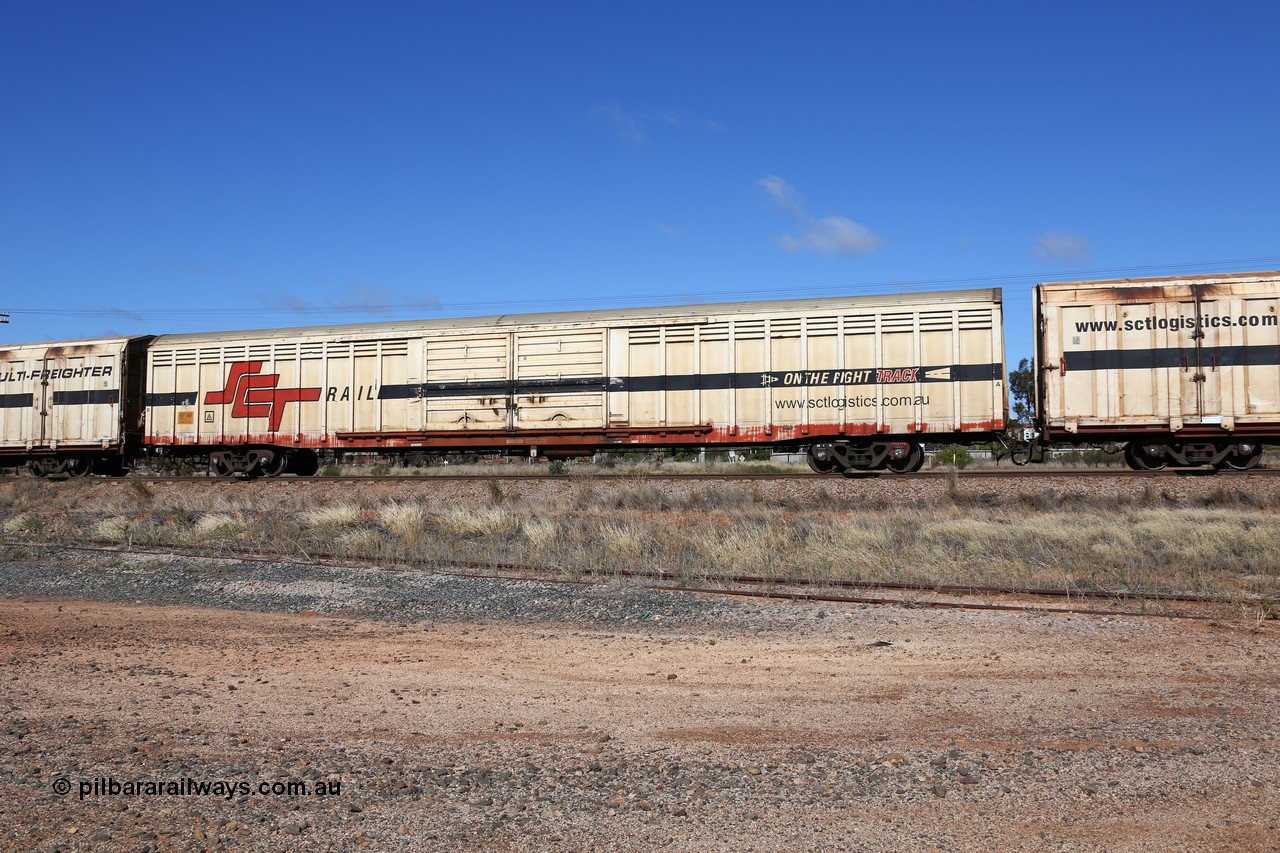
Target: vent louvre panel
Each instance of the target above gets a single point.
(646, 335)
(860, 324)
(975, 319)
(936, 321)
(714, 332)
(788, 328)
(749, 330)
(822, 325)
(213, 356)
(680, 334)
(897, 322)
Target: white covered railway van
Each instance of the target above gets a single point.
(1182, 371)
(857, 381)
(72, 406)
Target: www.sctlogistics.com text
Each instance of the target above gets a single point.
(228, 789)
(862, 402)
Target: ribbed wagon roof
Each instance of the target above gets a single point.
(604, 317)
(78, 342)
(1167, 279)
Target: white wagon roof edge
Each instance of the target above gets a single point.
(1164, 279)
(105, 340)
(714, 310)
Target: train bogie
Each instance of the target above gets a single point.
(1182, 371)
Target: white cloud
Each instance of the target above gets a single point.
(828, 235)
(832, 235)
(625, 125)
(635, 128)
(1070, 249)
(784, 195)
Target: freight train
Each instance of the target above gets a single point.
(1177, 371)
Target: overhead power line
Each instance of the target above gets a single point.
(445, 308)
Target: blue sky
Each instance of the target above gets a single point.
(171, 167)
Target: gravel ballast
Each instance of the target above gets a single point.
(473, 713)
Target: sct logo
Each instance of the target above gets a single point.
(255, 395)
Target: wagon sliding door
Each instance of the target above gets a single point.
(467, 383)
(559, 379)
(74, 408)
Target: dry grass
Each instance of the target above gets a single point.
(213, 527)
(1223, 543)
(405, 521)
(541, 533)
(478, 521)
(335, 517)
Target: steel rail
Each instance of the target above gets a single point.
(994, 474)
(938, 605)
(540, 574)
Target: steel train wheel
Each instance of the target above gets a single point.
(275, 465)
(908, 464)
(1236, 462)
(221, 465)
(1139, 460)
(302, 463)
(822, 466)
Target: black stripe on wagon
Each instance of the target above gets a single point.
(1180, 357)
(497, 388)
(181, 398)
(699, 381)
(16, 401)
(82, 398)
(813, 378)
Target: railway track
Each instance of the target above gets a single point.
(1028, 473)
(792, 589)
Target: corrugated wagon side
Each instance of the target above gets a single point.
(72, 407)
(266, 402)
(857, 381)
(1182, 371)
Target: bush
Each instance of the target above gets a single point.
(953, 455)
(330, 471)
